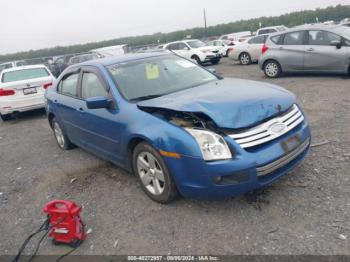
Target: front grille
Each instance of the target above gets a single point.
(289, 157)
(265, 132)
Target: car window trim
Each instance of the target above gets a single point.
(68, 74)
(96, 71)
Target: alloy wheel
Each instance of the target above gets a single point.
(271, 69)
(245, 59)
(58, 134)
(151, 173)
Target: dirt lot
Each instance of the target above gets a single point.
(306, 212)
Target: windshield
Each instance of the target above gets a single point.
(196, 44)
(149, 78)
(343, 31)
(24, 74)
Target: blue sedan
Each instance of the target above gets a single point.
(178, 127)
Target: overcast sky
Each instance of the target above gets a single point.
(34, 24)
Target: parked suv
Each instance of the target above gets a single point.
(321, 49)
(196, 50)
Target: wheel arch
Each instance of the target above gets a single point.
(50, 117)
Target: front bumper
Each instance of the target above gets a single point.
(247, 171)
(212, 57)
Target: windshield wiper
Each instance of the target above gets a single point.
(141, 98)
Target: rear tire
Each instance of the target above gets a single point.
(272, 69)
(245, 59)
(6, 117)
(62, 140)
(153, 174)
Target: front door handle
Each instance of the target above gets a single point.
(81, 109)
(310, 49)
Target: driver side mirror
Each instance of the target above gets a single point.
(98, 102)
(336, 43)
(186, 48)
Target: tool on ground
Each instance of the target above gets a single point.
(64, 225)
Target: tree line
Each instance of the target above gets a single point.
(336, 13)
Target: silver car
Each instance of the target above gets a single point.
(321, 49)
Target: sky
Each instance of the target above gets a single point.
(35, 24)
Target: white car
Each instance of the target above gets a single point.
(195, 50)
(271, 29)
(248, 51)
(222, 45)
(23, 89)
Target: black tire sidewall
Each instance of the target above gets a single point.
(199, 62)
(6, 117)
(170, 191)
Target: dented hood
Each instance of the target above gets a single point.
(230, 103)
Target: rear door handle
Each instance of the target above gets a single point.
(281, 48)
(310, 49)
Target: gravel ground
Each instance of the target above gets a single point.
(306, 212)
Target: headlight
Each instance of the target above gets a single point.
(213, 146)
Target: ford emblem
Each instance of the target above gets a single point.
(277, 128)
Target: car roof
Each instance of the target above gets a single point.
(23, 67)
(122, 59)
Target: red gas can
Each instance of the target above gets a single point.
(66, 226)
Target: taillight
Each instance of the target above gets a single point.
(7, 92)
(264, 48)
(46, 86)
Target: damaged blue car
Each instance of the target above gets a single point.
(180, 128)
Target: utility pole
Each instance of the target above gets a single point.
(205, 23)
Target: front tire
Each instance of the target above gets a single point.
(245, 59)
(272, 69)
(153, 175)
(6, 117)
(62, 140)
(197, 59)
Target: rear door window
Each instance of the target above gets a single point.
(68, 86)
(320, 37)
(294, 38)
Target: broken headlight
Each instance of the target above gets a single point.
(213, 146)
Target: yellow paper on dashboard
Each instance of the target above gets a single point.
(152, 71)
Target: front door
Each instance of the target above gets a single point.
(100, 128)
(321, 55)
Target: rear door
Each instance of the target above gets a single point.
(321, 55)
(99, 128)
(291, 51)
(67, 103)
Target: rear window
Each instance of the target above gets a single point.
(24, 74)
(276, 39)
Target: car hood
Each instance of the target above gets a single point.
(230, 103)
(208, 48)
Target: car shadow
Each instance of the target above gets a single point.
(29, 115)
